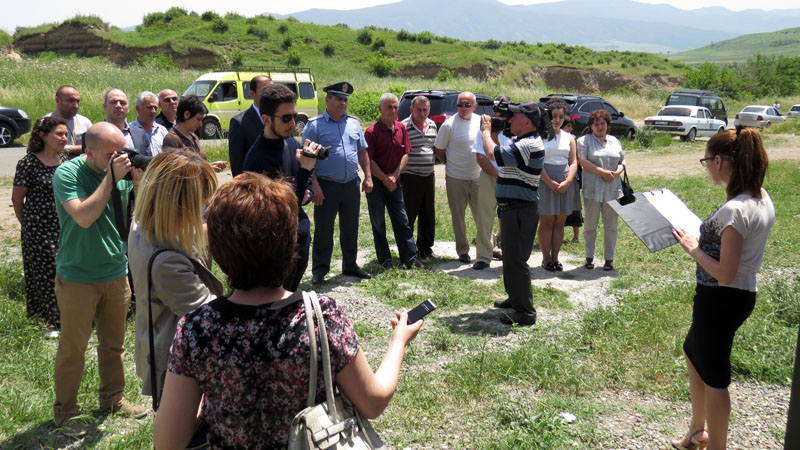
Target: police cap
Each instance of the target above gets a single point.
(341, 89)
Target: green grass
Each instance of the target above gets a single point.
(776, 43)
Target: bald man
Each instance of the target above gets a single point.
(168, 102)
(68, 101)
(91, 274)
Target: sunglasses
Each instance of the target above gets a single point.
(286, 118)
(170, 99)
(464, 105)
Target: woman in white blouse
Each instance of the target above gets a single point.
(602, 160)
(556, 198)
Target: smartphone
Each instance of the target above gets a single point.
(420, 311)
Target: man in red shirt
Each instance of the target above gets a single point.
(388, 147)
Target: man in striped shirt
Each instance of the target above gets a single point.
(418, 178)
(520, 164)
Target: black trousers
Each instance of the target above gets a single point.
(298, 269)
(418, 194)
(518, 224)
(343, 199)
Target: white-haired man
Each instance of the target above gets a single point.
(146, 111)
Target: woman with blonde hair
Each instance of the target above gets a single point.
(728, 254)
(168, 223)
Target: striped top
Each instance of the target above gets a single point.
(421, 159)
(521, 165)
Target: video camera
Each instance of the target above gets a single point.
(323, 153)
(501, 123)
(544, 125)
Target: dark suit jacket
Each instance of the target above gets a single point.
(245, 128)
(141, 141)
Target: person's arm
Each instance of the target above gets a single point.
(364, 162)
(178, 413)
(486, 166)
(371, 392)
(18, 199)
(572, 172)
(85, 211)
(730, 253)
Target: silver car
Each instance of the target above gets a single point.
(759, 116)
(794, 111)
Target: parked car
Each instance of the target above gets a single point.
(759, 116)
(226, 94)
(698, 97)
(13, 123)
(443, 103)
(687, 122)
(794, 111)
(580, 106)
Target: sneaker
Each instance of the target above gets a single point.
(73, 427)
(129, 409)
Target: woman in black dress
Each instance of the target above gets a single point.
(35, 208)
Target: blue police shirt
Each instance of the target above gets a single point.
(345, 139)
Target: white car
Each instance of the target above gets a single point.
(758, 116)
(687, 122)
(794, 111)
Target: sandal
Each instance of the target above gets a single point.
(558, 266)
(609, 265)
(589, 265)
(694, 443)
(549, 266)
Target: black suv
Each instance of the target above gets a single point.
(443, 104)
(580, 106)
(697, 97)
(13, 123)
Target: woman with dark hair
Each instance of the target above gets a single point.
(728, 254)
(190, 115)
(557, 198)
(169, 215)
(247, 355)
(601, 157)
(35, 208)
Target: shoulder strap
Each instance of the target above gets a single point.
(287, 159)
(312, 348)
(116, 198)
(311, 298)
(151, 358)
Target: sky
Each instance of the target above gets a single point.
(125, 14)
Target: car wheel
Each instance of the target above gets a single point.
(692, 134)
(299, 126)
(630, 134)
(210, 128)
(721, 129)
(7, 135)
(767, 125)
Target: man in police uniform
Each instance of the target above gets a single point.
(336, 183)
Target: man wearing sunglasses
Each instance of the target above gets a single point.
(453, 147)
(336, 183)
(168, 102)
(246, 126)
(276, 154)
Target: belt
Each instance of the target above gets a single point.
(514, 205)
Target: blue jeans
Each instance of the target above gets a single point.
(380, 200)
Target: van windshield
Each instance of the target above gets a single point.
(199, 88)
(677, 99)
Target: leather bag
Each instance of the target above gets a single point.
(627, 191)
(335, 423)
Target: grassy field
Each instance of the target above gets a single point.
(777, 43)
(459, 388)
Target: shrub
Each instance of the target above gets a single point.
(251, 20)
(219, 25)
(364, 37)
(174, 13)
(158, 61)
(426, 37)
(5, 38)
(287, 42)
(380, 65)
(233, 16)
(237, 57)
(328, 50)
(444, 74)
(283, 28)
(364, 105)
(378, 44)
(209, 16)
(492, 44)
(342, 25)
(258, 31)
(293, 58)
(153, 18)
(404, 35)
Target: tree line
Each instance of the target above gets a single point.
(762, 76)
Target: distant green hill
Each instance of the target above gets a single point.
(778, 43)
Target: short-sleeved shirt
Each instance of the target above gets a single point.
(95, 254)
(606, 157)
(556, 150)
(387, 147)
(521, 164)
(478, 147)
(421, 159)
(345, 139)
(156, 136)
(750, 217)
(252, 365)
(457, 136)
(76, 127)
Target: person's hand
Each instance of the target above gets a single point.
(402, 330)
(319, 197)
(561, 187)
(137, 175)
(120, 164)
(366, 185)
(390, 182)
(308, 162)
(607, 176)
(687, 240)
(486, 122)
(306, 196)
(219, 166)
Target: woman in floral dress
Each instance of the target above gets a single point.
(35, 208)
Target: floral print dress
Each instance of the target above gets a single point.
(39, 234)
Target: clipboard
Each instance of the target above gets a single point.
(654, 215)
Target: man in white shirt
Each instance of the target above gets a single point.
(68, 100)
(453, 147)
(146, 111)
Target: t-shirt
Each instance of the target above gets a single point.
(422, 158)
(252, 364)
(95, 254)
(456, 136)
(76, 127)
(556, 150)
(753, 219)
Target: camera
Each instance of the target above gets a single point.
(137, 160)
(323, 153)
(501, 123)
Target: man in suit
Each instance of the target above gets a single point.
(246, 127)
(116, 105)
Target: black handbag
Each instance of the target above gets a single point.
(627, 191)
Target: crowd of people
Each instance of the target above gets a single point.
(95, 224)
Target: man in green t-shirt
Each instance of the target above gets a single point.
(91, 274)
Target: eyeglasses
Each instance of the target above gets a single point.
(464, 105)
(704, 161)
(286, 118)
(170, 99)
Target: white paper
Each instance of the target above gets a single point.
(674, 210)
